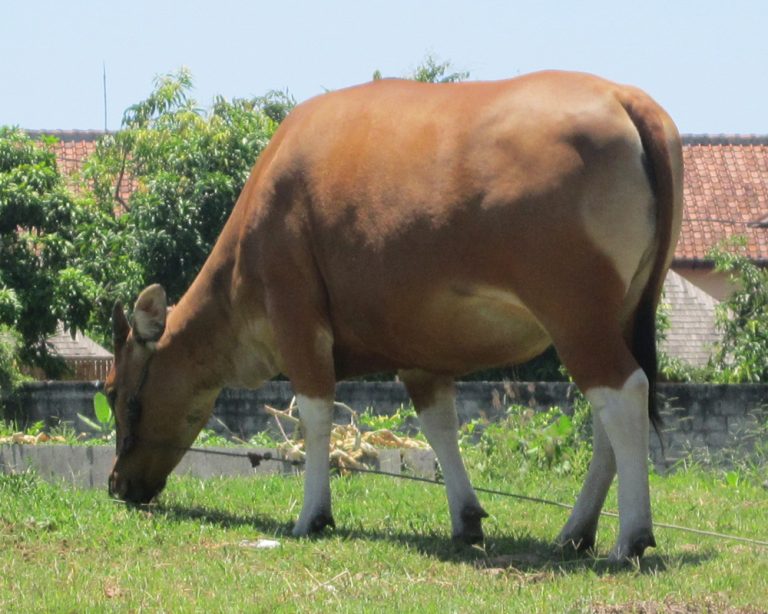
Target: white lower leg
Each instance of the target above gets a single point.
(440, 426)
(581, 528)
(316, 416)
(624, 415)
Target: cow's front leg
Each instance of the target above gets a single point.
(316, 417)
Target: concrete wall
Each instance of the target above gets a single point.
(705, 420)
(243, 410)
(712, 422)
(89, 466)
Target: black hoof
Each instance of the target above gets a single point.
(639, 544)
(472, 526)
(321, 521)
(636, 549)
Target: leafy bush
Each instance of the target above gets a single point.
(404, 420)
(528, 440)
(11, 376)
(742, 355)
(188, 167)
(40, 221)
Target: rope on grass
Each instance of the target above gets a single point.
(256, 459)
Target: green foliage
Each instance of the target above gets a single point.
(8, 428)
(102, 410)
(188, 167)
(40, 222)
(209, 437)
(431, 70)
(404, 420)
(275, 104)
(530, 440)
(264, 439)
(742, 356)
(105, 419)
(10, 306)
(11, 376)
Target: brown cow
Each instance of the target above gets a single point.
(435, 229)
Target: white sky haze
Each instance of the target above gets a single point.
(705, 61)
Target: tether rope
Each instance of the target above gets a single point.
(256, 459)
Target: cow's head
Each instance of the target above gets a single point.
(150, 402)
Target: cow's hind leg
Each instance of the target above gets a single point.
(433, 397)
(623, 413)
(617, 389)
(580, 531)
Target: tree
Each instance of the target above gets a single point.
(431, 70)
(188, 167)
(10, 369)
(39, 220)
(742, 355)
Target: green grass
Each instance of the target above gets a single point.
(66, 550)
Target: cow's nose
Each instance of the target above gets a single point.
(117, 487)
(133, 491)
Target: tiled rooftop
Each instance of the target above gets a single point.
(72, 149)
(726, 194)
(79, 346)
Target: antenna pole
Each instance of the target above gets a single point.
(104, 73)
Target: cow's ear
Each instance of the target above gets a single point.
(149, 314)
(120, 326)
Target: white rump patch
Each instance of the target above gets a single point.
(619, 215)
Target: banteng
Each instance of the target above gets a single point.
(435, 229)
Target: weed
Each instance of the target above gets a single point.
(209, 437)
(8, 428)
(264, 439)
(527, 439)
(404, 420)
(104, 424)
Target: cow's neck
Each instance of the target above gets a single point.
(212, 341)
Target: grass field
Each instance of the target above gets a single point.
(66, 550)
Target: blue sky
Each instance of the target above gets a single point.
(705, 61)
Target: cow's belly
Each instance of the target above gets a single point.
(458, 330)
(483, 327)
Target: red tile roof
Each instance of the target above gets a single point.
(726, 189)
(72, 149)
(726, 194)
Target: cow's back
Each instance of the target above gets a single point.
(441, 220)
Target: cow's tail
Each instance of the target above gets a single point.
(663, 161)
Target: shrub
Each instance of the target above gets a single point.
(529, 440)
(742, 355)
(11, 376)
